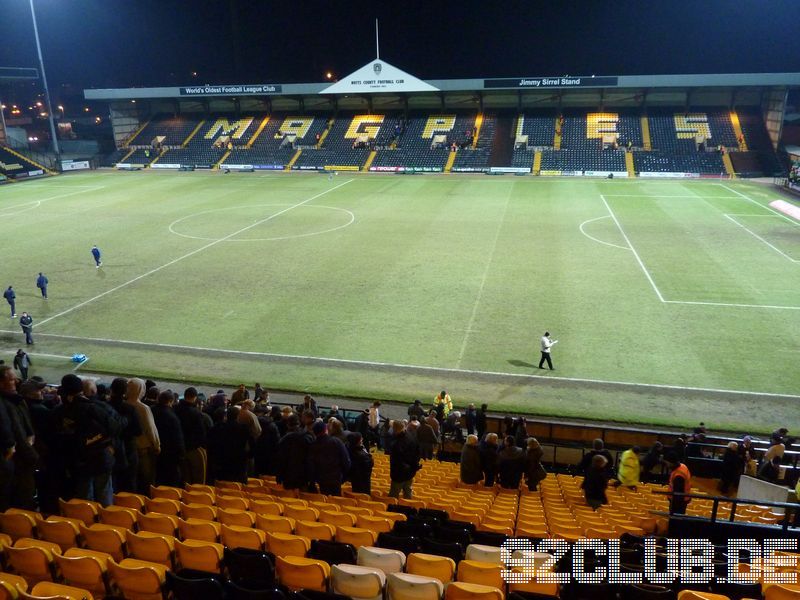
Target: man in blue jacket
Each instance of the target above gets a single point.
(11, 298)
(41, 283)
(96, 254)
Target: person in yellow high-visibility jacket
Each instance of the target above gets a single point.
(443, 404)
(629, 468)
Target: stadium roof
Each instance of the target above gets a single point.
(387, 79)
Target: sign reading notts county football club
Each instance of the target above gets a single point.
(551, 82)
(378, 76)
(227, 90)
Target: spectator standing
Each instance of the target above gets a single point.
(240, 395)
(292, 456)
(652, 458)
(680, 482)
(416, 410)
(510, 464)
(168, 465)
(595, 482)
(403, 462)
(22, 363)
(25, 458)
(334, 413)
(471, 419)
(489, 451)
(328, 462)
(234, 450)
(534, 470)
(26, 323)
(471, 471)
(260, 394)
(427, 439)
(361, 463)
(126, 462)
(194, 428)
(776, 450)
(732, 467)
(249, 419)
(521, 433)
(309, 404)
(597, 448)
(374, 421)
(41, 283)
(335, 430)
(8, 386)
(266, 449)
(770, 470)
(629, 470)
(443, 404)
(148, 444)
(480, 421)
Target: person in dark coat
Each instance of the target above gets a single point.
(234, 448)
(308, 404)
(770, 470)
(361, 463)
(416, 410)
(292, 455)
(25, 458)
(480, 421)
(489, 451)
(8, 383)
(126, 462)
(510, 464)
(328, 461)
(470, 419)
(732, 468)
(403, 462)
(266, 450)
(427, 439)
(173, 447)
(534, 470)
(521, 433)
(598, 448)
(471, 471)
(652, 459)
(595, 482)
(195, 438)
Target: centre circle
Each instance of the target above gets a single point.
(301, 221)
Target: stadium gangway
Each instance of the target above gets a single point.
(791, 509)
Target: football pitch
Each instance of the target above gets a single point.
(673, 301)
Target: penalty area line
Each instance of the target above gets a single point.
(406, 367)
(189, 254)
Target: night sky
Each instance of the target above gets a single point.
(115, 43)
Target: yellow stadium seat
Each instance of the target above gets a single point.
(472, 591)
(431, 565)
(306, 513)
(199, 487)
(19, 523)
(359, 583)
(373, 505)
(60, 530)
(228, 485)
(781, 592)
(313, 496)
(47, 590)
(406, 586)
(233, 536)
(298, 573)
(275, 524)
(199, 529)
(199, 555)
(379, 524)
(10, 585)
(356, 536)
(86, 569)
(337, 519)
(482, 573)
(134, 501)
(138, 579)
(158, 523)
(33, 559)
(263, 507)
(314, 530)
(121, 516)
(198, 496)
(164, 506)
(105, 538)
(232, 502)
(199, 511)
(692, 595)
(83, 510)
(383, 559)
(235, 516)
(286, 544)
(165, 491)
(152, 547)
(394, 517)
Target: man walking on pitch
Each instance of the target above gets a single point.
(41, 283)
(96, 254)
(547, 343)
(11, 298)
(26, 322)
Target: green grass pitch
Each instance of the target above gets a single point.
(674, 301)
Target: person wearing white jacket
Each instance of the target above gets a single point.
(148, 445)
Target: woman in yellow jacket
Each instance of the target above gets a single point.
(443, 399)
(629, 468)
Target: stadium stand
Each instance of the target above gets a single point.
(110, 160)
(757, 140)
(16, 166)
(211, 141)
(709, 163)
(173, 129)
(348, 143)
(475, 157)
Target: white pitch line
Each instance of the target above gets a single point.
(365, 363)
(636, 254)
(667, 196)
(769, 208)
(483, 279)
(189, 254)
(736, 305)
(594, 239)
(755, 235)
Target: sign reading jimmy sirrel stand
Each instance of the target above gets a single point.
(551, 82)
(378, 76)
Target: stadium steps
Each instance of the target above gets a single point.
(324, 134)
(726, 160)
(191, 135)
(157, 158)
(451, 158)
(261, 127)
(25, 159)
(629, 164)
(502, 143)
(737, 129)
(370, 158)
(557, 135)
(648, 145)
(478, 125)
(537, 162)
(223, 159)
(128, 155)
(137, 132)
(297, 154)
